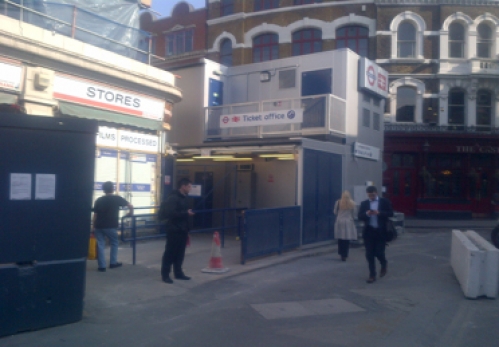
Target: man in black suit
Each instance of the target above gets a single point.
(375, 212)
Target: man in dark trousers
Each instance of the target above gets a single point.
(175, 210)
(375, 212)
(105, 224)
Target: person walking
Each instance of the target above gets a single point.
(344, 226)
(374, 212)
(175, 210)
(105, 224)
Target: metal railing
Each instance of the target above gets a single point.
(267, 231)
(430, 128)
(147, 226)
(137, 44)
(322, 114)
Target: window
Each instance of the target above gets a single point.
(226, 7)
(226, 52)
(179, 42)
(303, 2)
(406, 104)
(366, 98)
(265, 47)
(483, 107)
(316, 82)
(484, 41)
(456, 40)
(456, 107)
(444, 177)
(307, 41)
(406, 43)
(261, 5)
(287, 79)
(366, 118)
(376, 121)
(354, 37)
(376, 102)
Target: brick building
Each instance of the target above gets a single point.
(441, 116)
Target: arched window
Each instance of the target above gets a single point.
(456, 40)
(456, 106)
(226, 52)
(354, 37)
(406, 104)
(406, 40)
(261, 5)
(307, 41)
(484, 41)
(226, 7)
(483, 107)
(265, 47)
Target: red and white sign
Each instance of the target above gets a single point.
(10, 76)
(101, 96)
(262, 118)
(373, 78)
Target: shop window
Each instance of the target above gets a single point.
(226, 52)
(396, 183)
(179, 42)
(226, 7)
(261, 5)
(376, 121)
(443, 179)
(484, 41)
(354, 37)
(408, 183)
(483, 108)
(456, 107)
(307, 41)
(265, 47)
(366, 118)
(406, 43)
(304, 2)
(403, 160)
(406, 104)
(456, 40)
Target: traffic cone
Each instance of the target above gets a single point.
(215, 265)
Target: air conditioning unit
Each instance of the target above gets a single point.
(245, 167)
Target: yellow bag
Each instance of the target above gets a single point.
(92, 248)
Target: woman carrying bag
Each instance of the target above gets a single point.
(344, 227)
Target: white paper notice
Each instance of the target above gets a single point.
(20, 186)
(45, 187)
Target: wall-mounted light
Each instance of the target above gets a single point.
(265, 76)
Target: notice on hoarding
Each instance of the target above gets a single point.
(196, 190)
(20, 186)
(45, 187)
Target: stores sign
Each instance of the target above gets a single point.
(365, 151)
(373, 78)
(262, 118)
(110, 137)
(101, 96)
(10, 76)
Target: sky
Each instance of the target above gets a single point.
(165, 6)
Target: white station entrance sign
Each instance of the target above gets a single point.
(262, 118)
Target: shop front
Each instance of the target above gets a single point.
(442, 176)
(129, 138)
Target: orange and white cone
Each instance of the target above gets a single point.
(216, 265)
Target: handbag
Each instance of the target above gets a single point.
(92, 247)
(390, 231)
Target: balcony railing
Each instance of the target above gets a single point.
(84, 26)
(430, 128)
(322, 114)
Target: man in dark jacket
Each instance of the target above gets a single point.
(175, 210)
(375, 212)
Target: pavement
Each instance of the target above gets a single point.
(142, 281)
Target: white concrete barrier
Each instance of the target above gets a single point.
(490, 269)
(475, 263)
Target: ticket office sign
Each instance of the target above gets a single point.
(262, 118)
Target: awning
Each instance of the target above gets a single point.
(6, 98)
(108, 116)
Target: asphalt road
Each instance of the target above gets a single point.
(315, 301)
